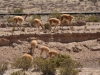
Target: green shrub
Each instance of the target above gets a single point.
(22, 63)
(10, 19)
(68, 71)
(3, 67)
(55, 14)
(46, 66)
(36, 16)
(93, 18)
(64, 62)
(23, 29)
(59, 59)
(79, 17)
(47, 26)
(16, 10)
(18, 73)
(69, 67)
(30, 21)
(13, 29)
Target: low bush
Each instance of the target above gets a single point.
(55, 14)
(46, 66)
(22, 63)
(18, 73)
(3, 67)
(47, 26)
(16, 10)
(10, 19)
(93, 18)
(23, 29)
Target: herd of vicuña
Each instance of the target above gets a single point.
(43, 49)
(64, 19)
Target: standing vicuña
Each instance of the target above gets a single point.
(33, 46)
(44, 49)
(38, 23)
(19, 19)
(52, 53)
(66, 19)
(54, 21)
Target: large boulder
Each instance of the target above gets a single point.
(4, 42)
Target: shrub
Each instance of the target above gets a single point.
(68, 71)
(16, 10)
(68, 67)
(46, 66)
(13, 29)
(18, 73)
(93, 18)
(23, 29)
(23, 63)
(64, 62)
(85, 27)
(79, 17)
(55, 14)
(47, 26)
(3, 67)
(10, 19)
(58, 59)
(32, 18)
(36, 16)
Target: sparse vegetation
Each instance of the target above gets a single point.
(85, 27)
(68, 67)
(55, 14)
(47, 26)
(17, 10)
(23, 29)
(10, 19)
(20, 72)
(48, 66)
(93, 18)
(3, 67)
(22, 63)
(13, 29)
(79, 17)
(32, 18)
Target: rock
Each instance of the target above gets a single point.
(81, 23)
(14, 44)
(68, 49)
(98, 39)
(4, 42)
(76, 49)
(96, 48)
(19, 42)
(3, 25)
